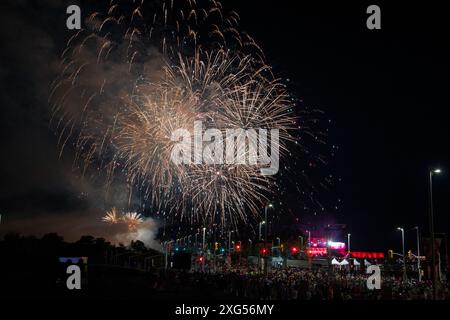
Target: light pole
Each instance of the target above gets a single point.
(403, 251)
(348, 242)
(265, 234)
(260, 227)
(265, 219)
(308, 246)
(204, 236)
(166, 253)
(431, 217)
(309, 237)
(418, 253)
(229, 242)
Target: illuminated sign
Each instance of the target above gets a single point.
(323, 243)
(336, 245)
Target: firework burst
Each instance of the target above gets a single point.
(111, 217)
(133, 220)
(132, 77)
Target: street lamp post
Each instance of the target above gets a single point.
(309, 237)
(431, 218)
(403, 251)
(418, 254)
(260, 227)
(309, 245)
(265, 219)
(265, 234)
(229, 242)
(348, 242)
(204, 237)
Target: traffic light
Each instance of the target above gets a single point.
(410, 255)
(238, 248)
(216, 246)
(264, 251)
(294, 250)
(200, 259)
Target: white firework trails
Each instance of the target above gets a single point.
(121, 104)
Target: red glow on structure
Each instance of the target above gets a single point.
(318, 242)
(294, 250)
(368, 255)
(317, 251)
(263, 251)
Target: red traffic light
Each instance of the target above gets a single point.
(294, 250)
(238, 247)
(200, 259)
(263, 251)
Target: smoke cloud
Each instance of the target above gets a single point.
(71, 226)
(41, 190)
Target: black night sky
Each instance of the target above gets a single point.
(386, 92)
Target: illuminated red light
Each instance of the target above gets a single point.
(369, 255)
(317, 251)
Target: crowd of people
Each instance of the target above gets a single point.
(301, 284)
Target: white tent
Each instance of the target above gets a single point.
(367, 263)
(344, 262)
(335, 262)
(356, 262)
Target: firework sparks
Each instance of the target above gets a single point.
(118, 100)
(133, 220)
(111, 216)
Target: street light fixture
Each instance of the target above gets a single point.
(229, 241)
(265, 232)
(204, 238)
(348, 242)
(431, 218)
(260, 226)
(301, 243)
(418, 254)
(403, 251)
(266, 221)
